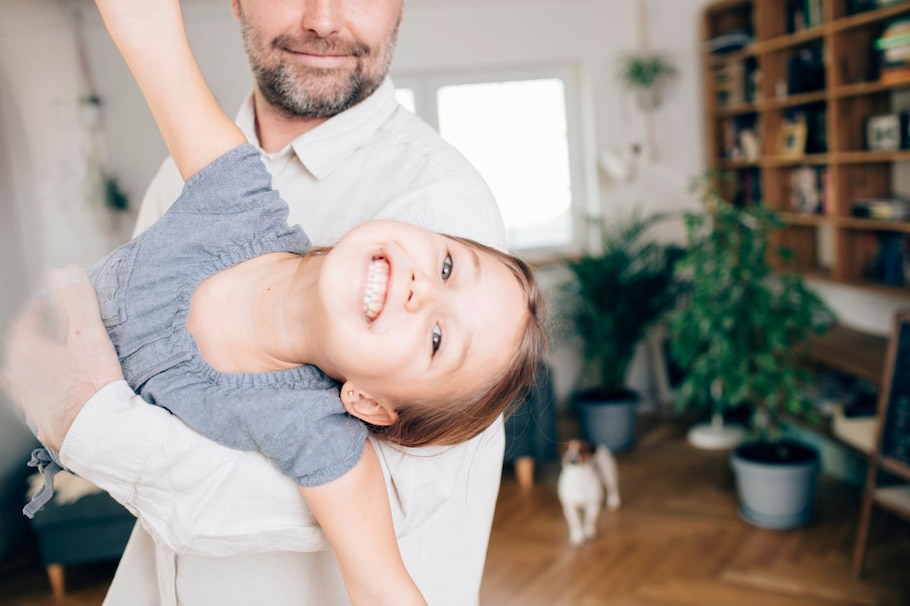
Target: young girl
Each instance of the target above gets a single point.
(219, 315)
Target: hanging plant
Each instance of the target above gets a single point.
(649, 76)
(114, 197)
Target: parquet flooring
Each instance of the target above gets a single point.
(678, 541)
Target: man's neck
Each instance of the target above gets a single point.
(276, 128)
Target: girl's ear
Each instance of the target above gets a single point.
(365, 407)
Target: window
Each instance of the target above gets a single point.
(518, 133)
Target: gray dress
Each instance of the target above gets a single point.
(228, 213)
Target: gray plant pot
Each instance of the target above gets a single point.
(608, 420)
(776, 495)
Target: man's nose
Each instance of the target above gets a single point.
(423, 290)
(323, 17)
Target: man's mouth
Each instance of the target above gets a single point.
(377, 288)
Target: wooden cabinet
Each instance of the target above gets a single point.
(790, 86)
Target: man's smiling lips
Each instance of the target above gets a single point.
(377, 287)
(321, 61)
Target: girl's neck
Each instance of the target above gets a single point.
(252, 317)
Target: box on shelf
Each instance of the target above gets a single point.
(888, 132)
(881, 209)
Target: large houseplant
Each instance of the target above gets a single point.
(738, 335)
(617, 293)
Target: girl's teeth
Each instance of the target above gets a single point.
(377, 286)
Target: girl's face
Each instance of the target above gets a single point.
(413, 314)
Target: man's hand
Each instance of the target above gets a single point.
(59, 355)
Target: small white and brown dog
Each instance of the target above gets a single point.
(586, 472)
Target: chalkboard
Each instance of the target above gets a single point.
(895, 400)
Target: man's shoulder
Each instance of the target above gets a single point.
(416, 148)
(410, 133)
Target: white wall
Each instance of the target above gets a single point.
(438, 36)
(49, 169)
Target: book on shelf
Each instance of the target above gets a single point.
(736, 82)
(741, 139)
(803, 15)
(809, 192)
(730, 42)
(894, 50)
(887, 254)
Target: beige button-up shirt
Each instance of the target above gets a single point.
(224, 527)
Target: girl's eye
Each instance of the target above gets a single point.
(437, 337)
(447, 267)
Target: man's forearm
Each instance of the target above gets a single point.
(194, 495)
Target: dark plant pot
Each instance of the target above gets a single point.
(608, 418)
(775, 483)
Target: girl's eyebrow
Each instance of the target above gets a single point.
(476, 260)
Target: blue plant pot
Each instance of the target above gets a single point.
(776, 495)
(608, 420)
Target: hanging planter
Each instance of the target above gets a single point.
(649, 77)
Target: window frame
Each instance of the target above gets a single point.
(584, 203)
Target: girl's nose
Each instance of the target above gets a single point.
(423, 291)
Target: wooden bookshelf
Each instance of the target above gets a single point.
(844, 90)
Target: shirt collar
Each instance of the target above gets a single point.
(322, 149)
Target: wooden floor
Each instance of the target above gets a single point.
(677, 541)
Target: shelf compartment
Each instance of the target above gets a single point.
(849, 132)
(801, 194)
(844, 22)
(803, 242)
(874, 259)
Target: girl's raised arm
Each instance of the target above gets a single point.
(151, 37)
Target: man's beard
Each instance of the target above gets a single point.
(308, 92)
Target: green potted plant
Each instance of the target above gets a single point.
(649, 76)
(615, 295)
(738, 335)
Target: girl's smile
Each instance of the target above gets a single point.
(377, 287)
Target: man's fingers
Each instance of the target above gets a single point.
(75, 300)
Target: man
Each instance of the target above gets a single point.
(219, 526)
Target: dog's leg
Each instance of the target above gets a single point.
(606, 464)
(592, 510)
(576, 532)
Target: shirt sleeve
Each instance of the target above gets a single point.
(193, 495)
